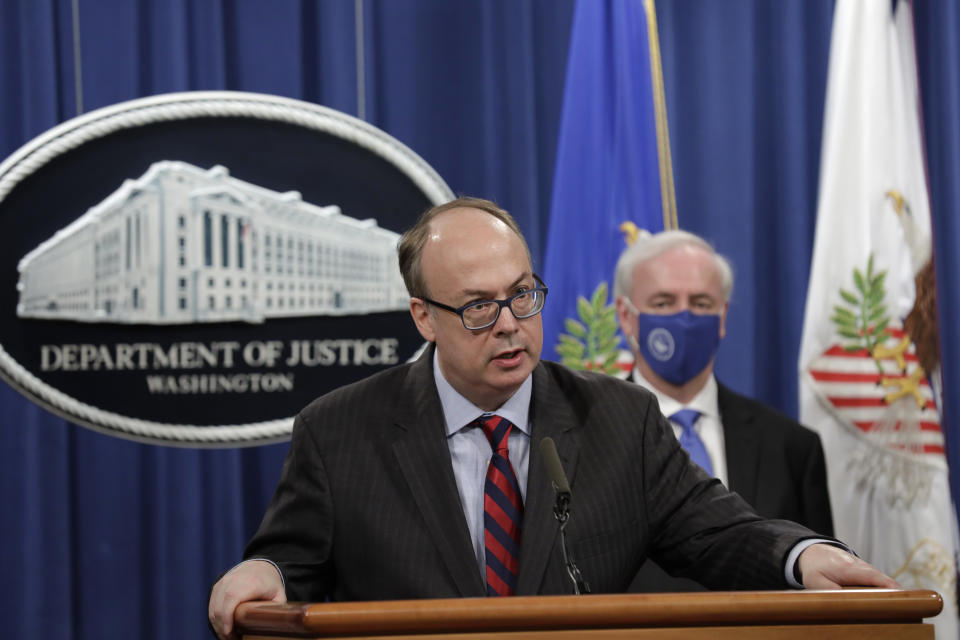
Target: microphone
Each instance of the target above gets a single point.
(561, 510)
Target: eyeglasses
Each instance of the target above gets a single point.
(485, 313)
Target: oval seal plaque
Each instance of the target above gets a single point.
(192, 269)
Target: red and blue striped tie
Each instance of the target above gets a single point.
(502, 511)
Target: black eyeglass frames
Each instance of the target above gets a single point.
(485, 313)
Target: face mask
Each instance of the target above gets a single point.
(678, 346)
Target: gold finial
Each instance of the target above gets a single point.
(630, 232)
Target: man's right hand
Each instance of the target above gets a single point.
(250, 580)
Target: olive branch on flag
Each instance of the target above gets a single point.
(591, 342)
(866, 325)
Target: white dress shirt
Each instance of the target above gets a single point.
(470, 450)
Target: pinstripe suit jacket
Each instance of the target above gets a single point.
(367, 505)
(774, 463)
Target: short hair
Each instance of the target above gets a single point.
(651, 246)
(410, 247)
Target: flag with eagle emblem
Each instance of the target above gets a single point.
(869, 358)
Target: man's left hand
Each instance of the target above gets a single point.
(824, 566)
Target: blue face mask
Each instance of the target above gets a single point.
(678, 346)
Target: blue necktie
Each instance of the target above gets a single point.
(689, 439)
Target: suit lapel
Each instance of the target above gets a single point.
(741, 443)
(540, 529)
(424, 459)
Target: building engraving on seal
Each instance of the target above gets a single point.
(182, 245)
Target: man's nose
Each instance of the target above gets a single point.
(507, 322)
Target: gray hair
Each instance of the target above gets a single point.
(651, 246)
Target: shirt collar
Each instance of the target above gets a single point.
(705, 401)
(458, 412)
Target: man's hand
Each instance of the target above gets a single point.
(824, 566)
(250, 580)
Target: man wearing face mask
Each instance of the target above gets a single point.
(672, 294)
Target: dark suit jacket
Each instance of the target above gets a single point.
(367, 506)
(774, 463)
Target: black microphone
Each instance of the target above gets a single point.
(561, 510)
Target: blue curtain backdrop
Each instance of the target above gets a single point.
(938, 60)
(104, 538)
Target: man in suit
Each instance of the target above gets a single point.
(672, 292)
(404, 485)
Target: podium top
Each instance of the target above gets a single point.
(546, 613)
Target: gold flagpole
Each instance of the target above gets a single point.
(667, 195)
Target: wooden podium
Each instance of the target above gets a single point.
(878, 614)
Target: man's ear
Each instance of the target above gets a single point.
(424, 320)
(624, 315)
(723, 320)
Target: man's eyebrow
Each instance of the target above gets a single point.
(489, 296)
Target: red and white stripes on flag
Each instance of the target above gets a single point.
(860, 391)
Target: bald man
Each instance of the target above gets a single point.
(419, 482)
